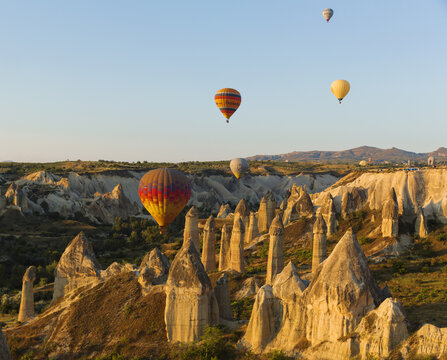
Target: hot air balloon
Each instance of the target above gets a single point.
(228, 101)
(238, 166)
(328, 13)
(164, 193)
(340, 89)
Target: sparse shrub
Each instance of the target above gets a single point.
(444, 269)
(278, 355)
(399, 267)
(425, 269)
(264, 250)
(363, 240)
(302, 255)
(441, 237)
(242, 308)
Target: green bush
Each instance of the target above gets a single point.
(363, 240)
(399, 267)
(441, 237)
(278, 355)
(242, 308)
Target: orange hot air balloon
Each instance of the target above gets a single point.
(228, 101)
(164, 193)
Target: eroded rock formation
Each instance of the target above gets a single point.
(390, 216)
(428, 340)
(190, 301)
(250, 288)
(329, 212)
(319, 242)
(252, 231)
(421, 228)
(26, 311)
(223, 298)
(224, 253)
(209, 245)
(191, 231)
(353, 200)
(243, 212)
(275, 261)
(237, 262)
(154, 270)
(299, 204)
(77, 267)
(266, 212)
(5, 354)
(224, 211)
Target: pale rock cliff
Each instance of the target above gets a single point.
(428, 340)
(390, 216)
(319, 242)
(77, 267)
(26, 311)
(223, 298)
(266, 212)
(252, 231)
(224, 253)
(190, 301)
(154, 270)
(237, 262)
(275, 261)
(421, 228)
(209, 245)
(191, 231)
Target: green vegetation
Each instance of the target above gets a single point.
(242, 308)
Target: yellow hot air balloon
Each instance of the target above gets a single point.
(340, 89)
(164, 193)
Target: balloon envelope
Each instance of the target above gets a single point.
(228, 101)
(328, 13)
(340, 89)
(164, 193)
(238, 166)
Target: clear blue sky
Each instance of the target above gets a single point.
(135, 80)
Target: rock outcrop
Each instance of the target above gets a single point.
(329, 212)
(191, 231)
(224, 253)
(325, 313)
(252, 231)
(382, 330)
(113, 270)
(264, 320)
(106, 207)
(243, 212)
(237, 262)
(5, 354)
(209, 245)
(190, 301)
(224, 211)
(428, 340)
(390, 216)
(319, 242)
(26, 311)
(353, 200)
(223, 298)
(421, 228)
(154, 270)
(77, 267)
(250, 288)
(275, 261)
(341, 292)
(266, 212)
(299, 204)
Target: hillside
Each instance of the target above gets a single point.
(355, 155)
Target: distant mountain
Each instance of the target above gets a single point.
(356, 154)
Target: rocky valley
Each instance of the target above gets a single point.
(308, 266)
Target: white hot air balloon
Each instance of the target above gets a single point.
(328, 13)
(238, 166)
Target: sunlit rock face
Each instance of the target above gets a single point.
(26, 311)
(390, 216)
(191, 305)
(209, 245)
(154, 270)
(77, 267)
(275, 261)
(266, 212)
(237, 262)
(319, 242)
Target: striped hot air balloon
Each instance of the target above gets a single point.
(228, 101)
(164, 193)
